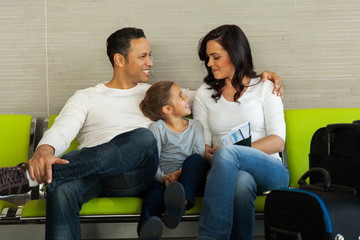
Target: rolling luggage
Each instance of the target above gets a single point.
(319, 211)
(336, 148)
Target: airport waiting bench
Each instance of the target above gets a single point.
(123, 208)
(301, 124)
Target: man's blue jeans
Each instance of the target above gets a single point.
(237, 175)
(125, 166)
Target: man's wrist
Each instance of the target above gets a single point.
(45, 150)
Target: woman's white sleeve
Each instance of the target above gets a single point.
(273, 112)
(200, 113)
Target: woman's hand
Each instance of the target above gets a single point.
(274, 77)
(209, 152)
(171, 177)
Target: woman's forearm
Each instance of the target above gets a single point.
(270, 144)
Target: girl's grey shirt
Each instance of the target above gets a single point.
(175, 147)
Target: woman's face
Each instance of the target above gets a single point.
(219, 61)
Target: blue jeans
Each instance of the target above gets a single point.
(192, 178)
(237, 175)
(125, 166)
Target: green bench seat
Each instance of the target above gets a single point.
(301, 124)
(109, 206)
(100, 207)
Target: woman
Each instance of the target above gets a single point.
(233, 94)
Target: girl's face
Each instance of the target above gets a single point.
(179, 102)
(219, 61)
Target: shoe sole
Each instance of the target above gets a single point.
(174, 198)
(152, 229)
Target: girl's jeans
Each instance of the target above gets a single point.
(192, 178)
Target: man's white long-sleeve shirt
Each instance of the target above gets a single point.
(96, 115)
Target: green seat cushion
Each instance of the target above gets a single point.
(197, 207)
(260, 204)
(5, 204)
(112, 206)
(99, 206)
(96, 206)
(34, 208)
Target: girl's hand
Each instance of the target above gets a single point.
(171, 177)
(209, 152)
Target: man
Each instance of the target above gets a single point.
(113, 137)
(118, 155)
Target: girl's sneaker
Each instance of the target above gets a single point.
(174, 198)
(152, 229)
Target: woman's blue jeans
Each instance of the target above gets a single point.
(193, 180)
(237, 175)
(125, 166)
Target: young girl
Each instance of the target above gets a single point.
(182, 168)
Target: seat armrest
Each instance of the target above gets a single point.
(32, 137)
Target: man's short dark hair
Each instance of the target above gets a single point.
(119, 41)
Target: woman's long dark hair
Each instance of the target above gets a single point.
(234, 41)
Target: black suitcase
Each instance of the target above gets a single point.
(312, 212)
(337, 149)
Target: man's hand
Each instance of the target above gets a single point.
(39, 166)
(274, 77)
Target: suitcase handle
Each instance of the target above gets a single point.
(326, 184)
(316, 170)
(284, 234)
(334, 127)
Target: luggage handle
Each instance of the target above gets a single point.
(326, 184)
(274, 232)
(316, 170)
(333, 127)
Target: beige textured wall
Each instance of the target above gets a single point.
(50, 48)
